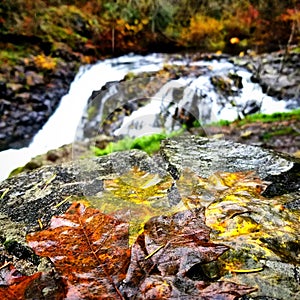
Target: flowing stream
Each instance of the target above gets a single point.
(62, 125)
(210, 105)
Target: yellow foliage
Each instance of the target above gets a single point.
(202, 26)
(238, 226)
(84, 59)
(44, 62)
(203, 29)
(241, 217)
(234, 40)
(137, 196)
(126, 28)
(291, 15)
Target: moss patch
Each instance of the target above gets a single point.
(278, 132)
(265, 118)
(148, 143)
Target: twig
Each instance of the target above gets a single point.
(4, 193)
(247, 270)
(62, 202)
(155, 251)
(5, 265)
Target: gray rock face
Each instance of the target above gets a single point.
(206, 157)
(277, 73)
(33, 198)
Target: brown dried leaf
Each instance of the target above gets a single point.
(168, 253)
(89, 249)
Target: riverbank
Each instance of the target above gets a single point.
(146, 84)
(279, 132)
(43, 44)
(31, 88)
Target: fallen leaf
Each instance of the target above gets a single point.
(167, 259)
(136, 196)
(242, 218)
(89, 249)
(14, 285)
(217, 249)
(184, 235)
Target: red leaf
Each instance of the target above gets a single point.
(89, 249)
(13, 284)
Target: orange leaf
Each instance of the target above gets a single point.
(13, 284)
(89, 249)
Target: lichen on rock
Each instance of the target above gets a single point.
(227, 181)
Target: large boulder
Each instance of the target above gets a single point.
(250, 198)
(277, 73)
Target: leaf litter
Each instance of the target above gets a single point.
(209, 245)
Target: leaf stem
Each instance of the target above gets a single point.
(155, 251)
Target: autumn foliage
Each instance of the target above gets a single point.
(94, 28)
(13, 284)
(90, 251)
(195, 249)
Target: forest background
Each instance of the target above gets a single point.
(97, 28)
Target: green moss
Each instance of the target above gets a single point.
(279, 116)
(12, 54)
(220, 123)
(92, 111)
(33, 164)
(16, 171)
(296, 49)
(147, 143)
(67, 24)
(282, 131)
(265, 118)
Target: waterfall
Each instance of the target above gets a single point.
(62, 125)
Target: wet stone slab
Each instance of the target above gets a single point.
(269, 257)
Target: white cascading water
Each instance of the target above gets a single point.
(62, 125)
(141, 121)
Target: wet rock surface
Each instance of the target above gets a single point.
(278, 73)
(208, 156)
(30, 199)
(29, 94)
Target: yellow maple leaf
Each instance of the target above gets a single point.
(136, 196)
